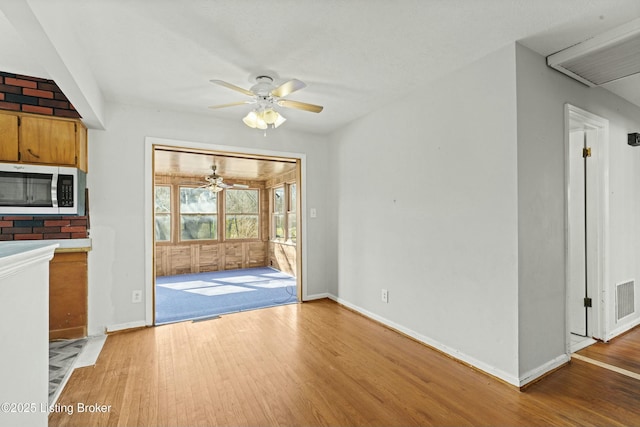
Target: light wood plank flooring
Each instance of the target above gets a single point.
(318, 363)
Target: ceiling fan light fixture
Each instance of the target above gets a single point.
(267, 96)
(270, 116)
(251, 119)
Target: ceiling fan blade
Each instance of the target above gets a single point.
(240, 186)
(233, 87)
(232, 104)
(288, 87)
(300, 105)
(223, 185)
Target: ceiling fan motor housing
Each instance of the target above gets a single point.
(263, 87)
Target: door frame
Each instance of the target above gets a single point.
(600, 250)
(149, 200)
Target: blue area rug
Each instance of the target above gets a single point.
(202, 295)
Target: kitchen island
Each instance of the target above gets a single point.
(24, 332)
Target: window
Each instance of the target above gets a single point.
(242, 219)
(163, 213)
(291, 214)
(198, 214)
(278, 213)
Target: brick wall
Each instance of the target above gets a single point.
(34, 95)
(43, 227)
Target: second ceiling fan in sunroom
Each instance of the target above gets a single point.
(266, 97)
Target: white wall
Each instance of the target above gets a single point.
(425, 198)
(116, 182)
(542, 93)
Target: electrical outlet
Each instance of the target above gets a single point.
(385, 295)
(136, 296)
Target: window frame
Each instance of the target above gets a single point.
(285, 214)
(257, 213)
(178, 218)
(170, 214)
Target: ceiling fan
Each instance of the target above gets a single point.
(215, 182)
(266, 97)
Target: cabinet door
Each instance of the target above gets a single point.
(8, 138)
(68, 295)
(47, 141)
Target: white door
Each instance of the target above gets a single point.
(577, 261)
(583, 223)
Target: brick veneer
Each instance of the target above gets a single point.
(34, 95)
(43, 227)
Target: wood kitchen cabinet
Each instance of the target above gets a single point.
(9, 138)
(68, 295)
(43, 139)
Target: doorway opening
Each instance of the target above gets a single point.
(586, 153)
(226, 232)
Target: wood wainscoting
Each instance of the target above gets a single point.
(204, 257)
(282, 256)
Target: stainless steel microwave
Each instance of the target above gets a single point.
(35, 189)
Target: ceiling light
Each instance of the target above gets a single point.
(262, 119)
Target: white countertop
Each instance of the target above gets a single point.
(12, 249)
(9, 249)
(15, 256)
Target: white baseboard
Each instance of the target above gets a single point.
(543, 369)
(622, 329)
(123, 326)
(316, 296)
(458, 355)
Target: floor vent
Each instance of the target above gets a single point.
(625, 301)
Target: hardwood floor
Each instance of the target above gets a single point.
(622, 351)
(318, 363)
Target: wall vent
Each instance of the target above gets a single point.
(625, 300)
(601, 59)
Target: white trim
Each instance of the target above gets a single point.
(317, 296)
(621, 330)
(456, 354)
(125, 326)
(541, 370)
(150, 141)
(600, 297)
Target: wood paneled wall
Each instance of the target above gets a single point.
(282, 255)
(202, 256)
(199, 257)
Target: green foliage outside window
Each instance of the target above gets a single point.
(163, 213)
(242, 214)
(198, 214)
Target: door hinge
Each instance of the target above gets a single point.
(587, 302)
(586, 152)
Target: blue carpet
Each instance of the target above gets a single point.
(193, 296)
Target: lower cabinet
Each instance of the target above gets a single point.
(68, 295)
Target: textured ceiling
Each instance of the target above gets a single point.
(355, 56)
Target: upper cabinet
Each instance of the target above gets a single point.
(47, 140)
(9, 138)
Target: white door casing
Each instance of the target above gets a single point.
(588, 221)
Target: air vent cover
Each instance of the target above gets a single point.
(625, 300)
(607, 57)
